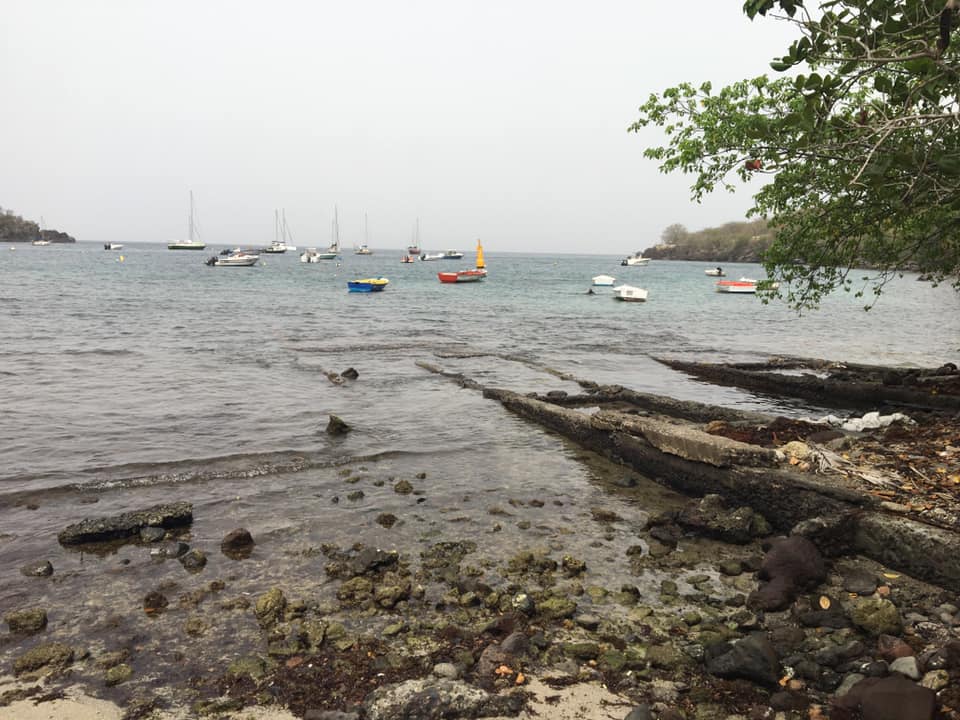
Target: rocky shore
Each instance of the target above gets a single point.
(777, 587)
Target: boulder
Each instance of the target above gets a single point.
(890, 698)
(792, 564)
(752, 658)
(26, 622)
(127, 524)
(877, 616)
(49, 656)
(37, 569)
(237, 544)
(712, 518)
(336, 426)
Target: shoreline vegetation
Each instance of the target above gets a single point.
(770, 567)
(13, 229)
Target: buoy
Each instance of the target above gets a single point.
(121, 258)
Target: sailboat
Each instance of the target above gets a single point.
(41, 240)
(461, 276)
(281, 234)
(414, 248)
(194, 243)
(363, 249)
(312, 255)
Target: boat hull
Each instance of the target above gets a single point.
(603, 281)
(737, 287)
(628, 293)
(367, 285)
(186, 246)
(462, 276)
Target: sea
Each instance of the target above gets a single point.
(142, 376)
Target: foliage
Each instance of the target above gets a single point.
(14, 227)
(859, 141)
(732, 242)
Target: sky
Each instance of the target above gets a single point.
(495, 119)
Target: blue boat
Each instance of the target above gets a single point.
(367, 285)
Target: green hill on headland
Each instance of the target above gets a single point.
(14, 228)
(733, 242)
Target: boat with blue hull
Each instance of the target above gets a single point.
(367, 285)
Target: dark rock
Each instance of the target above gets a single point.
(237, 544)
(492, 657)
(26, 622)
(154, 602)
(152, 534)
(330, 715)
(194, 560)
(370, 560)
(336, 426)
(667, 534)
(388, 520)
(712, 518)
(752, 658)
(516, 643)
(791, 565)
(127, 524)
(832, 618)
(350, 374)
(890, 698)
(640, 712)
(42, 569)
(785, 701)
(861, 582)
(404, 487)
(890, 648)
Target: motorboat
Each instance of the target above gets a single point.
(636, 259)
(475, 274)
(408, 259)
(452, 255)
(604, 280)
(112, 246)
(363, 250)
(425, 257)
(742, 286)
(237, 258)
(367, 285)
(715, 272)
(629, 293)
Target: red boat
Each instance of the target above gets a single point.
(460, 276)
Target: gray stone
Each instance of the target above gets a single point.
(40, 569)
(861, 582)
(906, 666)
(433, 700)
(446, 670)
(640, 712)
(127, 524)
(848, 682)
(152, 534)
(752, 658)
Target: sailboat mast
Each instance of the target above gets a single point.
(190, 222)
(336, 229)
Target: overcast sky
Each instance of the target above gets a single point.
(503, 120)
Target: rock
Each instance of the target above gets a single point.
(796, 449)
(640, 712)
(371, 560)
(446, 670)
(350, 374)
(433, 700)
(861, 582)
(752, 658)
(152, 534)
(791, 564)
(404, 487)
(53, 656)
(336, 426)
(710, 517)
(26, 622)
(588, 622)
(523, 603)
(557, 608)
(877, 616)
(154, 602)
(890, 698)
(194, 561)
(270, 607)
(330, 715)
(848, 682)
(516, 643)
(237, 544)
(40, 569)
(387, 520)
(118, 674)
(890, 648)
(355, 591)
(250, 666)
(906, 666)
(936, 680)
(127, 524)
(171, 550)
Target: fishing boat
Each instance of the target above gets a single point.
(414, 247)
(112, 246)
(237, 258)
(479, 272)
(604, 280)
(281, 233)
(741, 286)
(313, 255)
(367, 285)
(629, 293)
(425, 257)
(636, 259)
(452, 255)
(194, 242)
(715, 272)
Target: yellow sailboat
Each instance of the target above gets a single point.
(479, 272)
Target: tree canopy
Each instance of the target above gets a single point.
(858, 137)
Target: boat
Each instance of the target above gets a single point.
(715, 272)
(604, 280)
(310, 255)
(629, 293)
(636, 259)
(364, 249)
(452, 255)
(281, 234)
(414, 247)
(194, 243)
(479, 272)
(41, 240)
(237, 258)
(367, 285)
(742, 286)
(428, 256)
(112, 246)
(408, 259)
(332, 252)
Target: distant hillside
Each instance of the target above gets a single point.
(733, 242)
(14, 228)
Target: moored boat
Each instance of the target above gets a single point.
(452, 255)
(715, 272)
(425, 257)
(629, 293)
(194, 242)
(479, 272)
(237, 258)
(367, 285)
(604, 280)
(742, 286)
(112, 246)
(636, 259)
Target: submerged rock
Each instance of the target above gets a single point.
(26, 622)
(127, 524)
(39, 569)
(49, 655)
(237, 544)
(710, 517)
(336, 426)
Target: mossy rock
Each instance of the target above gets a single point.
(557, 608)
(270, 606)
(666, 657)
(581, 650)
(252, 666)
(355, 591)
(878, 616)
(26, 622)
(49, 655)
(118, 674)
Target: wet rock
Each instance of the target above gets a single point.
(330, 715)
(877, 616)
(38, 569)
(127, 524)
(237, 544)
(118, 674)
(49, 656)
(573, 566)
(26, 622)
(251, 666)
(640, 712)
(889, 698)
(371, 560)
(270, 607)
(446, 671)
(171, 550)
(433, 700)
(936, 680)
(752, 658)
(523, 603)
(155, 602)
(557, 608)
(860, 582)
(791, 565)
(906, 666)
(350, 374)
(355, 591)
(710, 517)
(152, 534)
(492, 657)
(387, 520)
(890, 648)
(403, 487)
(336, 426)
(604, 515)
(588, 622)
(194, 560)
(387, 595)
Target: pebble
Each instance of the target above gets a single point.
(906, 666)
(936, 680)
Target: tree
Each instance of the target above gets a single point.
(860, 141)
(674, 234)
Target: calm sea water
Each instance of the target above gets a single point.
(159, 379)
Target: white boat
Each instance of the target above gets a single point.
(428, 256)
(636, 259)
(237, 258)
(741, 286)
(194, 243)
(112, 246)
(604, 280)
(281, 234)
(715, 272)
(41, 240)
(364, 249)
(452, 255)
(629, 293)
(313, 255)
(413, 248)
